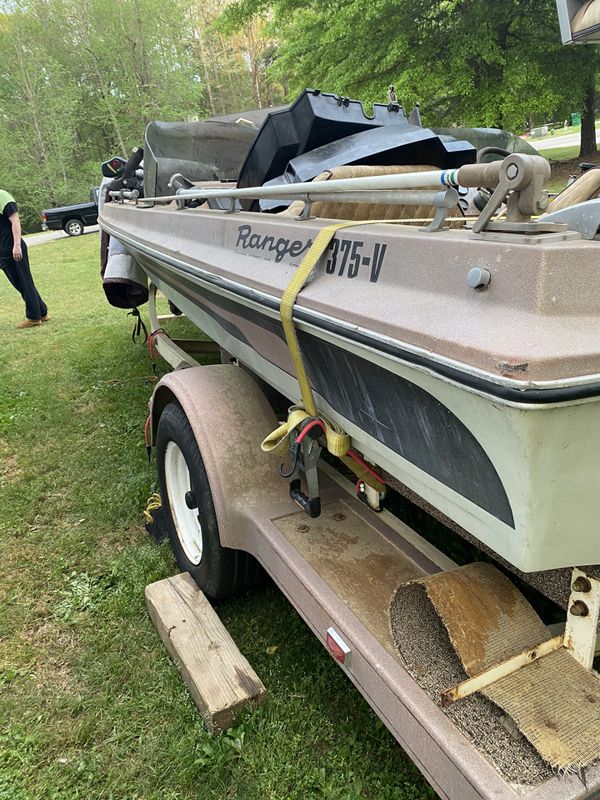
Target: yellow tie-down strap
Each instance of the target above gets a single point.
(338, 442)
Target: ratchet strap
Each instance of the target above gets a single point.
(338, 442)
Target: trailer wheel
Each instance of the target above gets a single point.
(74, 227)
(190, 514)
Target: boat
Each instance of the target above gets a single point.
(430, 318)
(460, 355)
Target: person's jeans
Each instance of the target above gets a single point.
(19, 274)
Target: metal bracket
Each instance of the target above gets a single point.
(371, 496)
(438, 222)
(306, 460)
(521, 178)
(306, 210)
(171, 352)
(582, 618)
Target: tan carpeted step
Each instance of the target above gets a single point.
(554, 701)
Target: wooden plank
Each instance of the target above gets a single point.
(218, 677)
(164, 317)
(484, 679)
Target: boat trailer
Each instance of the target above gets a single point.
(340, 570)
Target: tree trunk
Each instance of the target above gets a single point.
(204, 66)
(588, 122)
(253, 50)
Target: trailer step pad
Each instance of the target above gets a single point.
(219, 678)
(554, 701)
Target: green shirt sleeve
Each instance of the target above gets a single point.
(5, 199)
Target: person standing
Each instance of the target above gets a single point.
(14, 260)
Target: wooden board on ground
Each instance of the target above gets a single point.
(219, 678)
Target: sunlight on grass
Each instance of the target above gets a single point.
(92, 707)
(561, 153)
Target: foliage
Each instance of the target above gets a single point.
(82, 78)
(468, 62)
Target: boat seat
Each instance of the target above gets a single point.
(330, 209)
(584, 188)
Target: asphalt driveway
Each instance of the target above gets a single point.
(49, 236)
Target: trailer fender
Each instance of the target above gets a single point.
(229, 416)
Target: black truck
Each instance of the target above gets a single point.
(72, 219)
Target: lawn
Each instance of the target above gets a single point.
(90, 703)
(561, 153)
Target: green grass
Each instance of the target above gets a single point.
(90, 704)
(560, 153)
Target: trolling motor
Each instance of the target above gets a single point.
(305, 451)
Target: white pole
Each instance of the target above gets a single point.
(440, 179)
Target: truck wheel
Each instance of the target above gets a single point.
(74, 227)
(190, 515)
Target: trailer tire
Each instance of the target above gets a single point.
(219, 571)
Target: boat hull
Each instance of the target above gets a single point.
(520, 476)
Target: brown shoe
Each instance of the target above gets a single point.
(29, 323)
(45, 318)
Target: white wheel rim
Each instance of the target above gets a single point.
(187, 523)
(74, 227)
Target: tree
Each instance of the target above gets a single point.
(468, 62)
(37, 118)
(81, 79)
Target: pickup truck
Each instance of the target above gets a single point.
(72, 219)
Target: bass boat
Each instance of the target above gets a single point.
(329, 253)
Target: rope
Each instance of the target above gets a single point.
(152, 342)
(138, 326)
(153, 503)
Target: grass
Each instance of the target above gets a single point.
(561, 153)
(90, 703)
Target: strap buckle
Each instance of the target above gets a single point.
(305, 452)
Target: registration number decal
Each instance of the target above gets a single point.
(344, 257)
(347, 259)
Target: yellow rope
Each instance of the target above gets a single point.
(153, 503)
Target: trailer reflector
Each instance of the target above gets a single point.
(338, 647)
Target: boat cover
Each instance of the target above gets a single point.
(202, 151)
(490, 137)
(314, 119)
(124, 282)
(384, 146)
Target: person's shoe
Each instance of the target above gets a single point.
(29, 323)
(45, 318)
